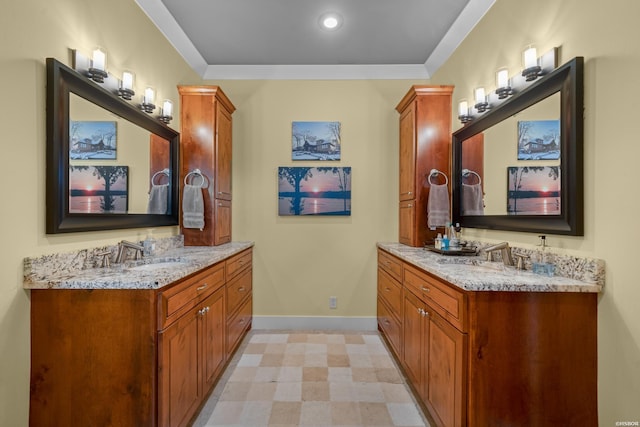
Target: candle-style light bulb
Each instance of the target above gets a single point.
(530, 57)
(149, 94)
(127, 80)
(167, 108)
(99, 59)
(463, 108)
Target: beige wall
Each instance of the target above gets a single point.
(605, 33)
(301, 261)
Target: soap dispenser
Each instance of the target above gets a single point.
(543, 263)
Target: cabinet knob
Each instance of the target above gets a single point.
(387, 289)
(410, 193)
(241, 289)
(200, 288)
(409, 205)
(420, 311)
(425, 289)
(219, 203)
(201, 312)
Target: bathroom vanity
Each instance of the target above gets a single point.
(482, 345)
(139, 344)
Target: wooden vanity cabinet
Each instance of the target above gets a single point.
(136, 357)
(494, 358)
(206, 144)
(389, 303)
(425, 144)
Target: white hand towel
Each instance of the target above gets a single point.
(158, 199)
(472, 200)
(438, 206)
(192, 207)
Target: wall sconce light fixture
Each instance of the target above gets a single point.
(530, 60)
(167, 109)
(481, 100)
(125, 91)
(502, 84)
(97, 71)
(147, 100)
(463, 112)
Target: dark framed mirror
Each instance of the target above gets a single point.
(104, 158)
(519, 166)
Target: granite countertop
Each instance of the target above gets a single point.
(149, 273)
(473, 273)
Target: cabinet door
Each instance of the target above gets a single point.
(414, 331)
(407, 219)
(213, 338)
(222, 225)
(180, 389)
(223, 154)
(445, 372)
(407, 153)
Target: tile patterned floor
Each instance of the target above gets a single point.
(311, 379)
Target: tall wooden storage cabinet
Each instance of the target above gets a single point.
(425, 142)
(206, 129)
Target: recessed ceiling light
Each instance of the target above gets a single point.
(330, 21)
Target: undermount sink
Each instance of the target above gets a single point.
(157, 266)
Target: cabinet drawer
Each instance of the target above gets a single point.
(185, 295)
(391, 292)
(238, 324)
(390, 264)
(446, 301)
(238, 263)
(238, 289)
(390, 326)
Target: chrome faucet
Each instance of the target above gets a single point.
(505, 251)
(123, 246)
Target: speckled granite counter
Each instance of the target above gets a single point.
(461, 271)
(78, 271)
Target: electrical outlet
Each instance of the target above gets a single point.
(333, 302)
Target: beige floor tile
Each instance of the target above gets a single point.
(395, 393)
(314, 374)
(266, 374)
(368, 392)
(336, 348)
(317, 338)
(345, 413)
(261, 391)
(360, 361)
(256, 413)
(250, 360)
(272, 360)
(226, 413)
(405, 414)
(297, 338)
(293, 360)
(342, 392)
(315, 359)
(315, 414)
(315, 348)
(243, 373)
(255, 348)
(381, 361)
(315, 391)
(275, 348)
(364, 375)
(338, 360)
(288, 392)
(354, 339)
(339, 375)
(235, 392)
(335, 339)
(375, 414)
(285, 413)
(290, 374)
(296, 348)
(388, 375)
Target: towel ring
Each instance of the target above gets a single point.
(162, 172)
(436, 172)
(467, 172)
(197, 173)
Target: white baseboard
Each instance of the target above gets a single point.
(315, 323)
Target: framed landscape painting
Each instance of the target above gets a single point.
(92, 140)
(315, 141)
(98, 189)
(533, 190)
(539, 140)
(314, 191)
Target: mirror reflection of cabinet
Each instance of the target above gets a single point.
(206, 145)
(425, 129)
(531, 177)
